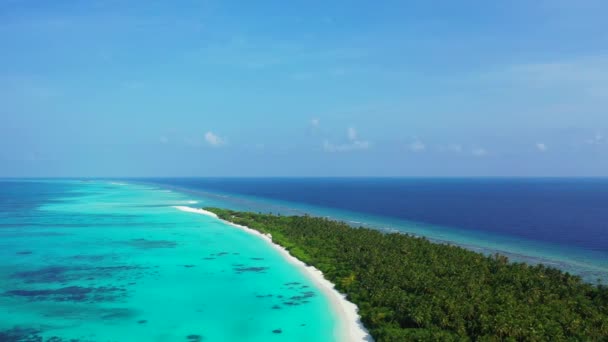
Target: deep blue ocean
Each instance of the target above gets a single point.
(568, 217)
(570, 211)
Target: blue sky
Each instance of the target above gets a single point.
(304, 88)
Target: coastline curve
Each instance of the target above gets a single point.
(350, 327)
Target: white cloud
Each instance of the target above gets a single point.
(164, 140)
(353, 146)
(417, 146)
(479, 152)
(214, 139)
(542, 147)
(314, 122)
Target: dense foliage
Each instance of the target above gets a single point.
(408, 288)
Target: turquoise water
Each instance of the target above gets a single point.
(101, 261)
(591, 265)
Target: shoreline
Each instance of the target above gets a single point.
(350, 327)
(588, 264)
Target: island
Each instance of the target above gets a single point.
(409, 288)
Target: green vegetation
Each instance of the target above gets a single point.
(408, 288)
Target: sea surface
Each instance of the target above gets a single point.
(113, 260)
(103, 260)
(562, 223)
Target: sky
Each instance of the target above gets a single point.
(303, 88)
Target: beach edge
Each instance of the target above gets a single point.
(350, 327)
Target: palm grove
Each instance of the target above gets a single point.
(408, 288)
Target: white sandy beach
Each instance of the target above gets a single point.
(350, 327)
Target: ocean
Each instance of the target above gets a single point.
(559, 222)
(112, 261)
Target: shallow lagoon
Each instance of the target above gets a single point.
(101, 261)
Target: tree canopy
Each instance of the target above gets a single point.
(408, 288)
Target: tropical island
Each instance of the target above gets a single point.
(408, 288)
